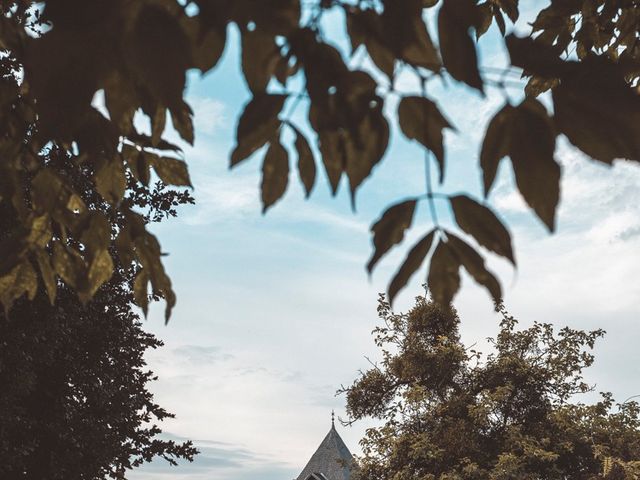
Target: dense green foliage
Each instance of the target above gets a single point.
(74, 398)
(56, 54)
(450, 412)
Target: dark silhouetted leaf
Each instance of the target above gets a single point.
(485, 16)
(158, 122)
(257, 125)
(444, 275)
(159, 54)
(369, 145)
(421, 120)
(510, 7)
(306, 162)
(172, 171)
(275, 175)
(365, 28)
(421, 51)
(330, 145)
(207, 43)
(414, 259)
(456, 44)
(260, 55)
(182, 122)
(538, 85)
(533, 142)
(496, 145)
(474, 264)
(483, 225)
(599, 112)
(410, 40)
(535, 58)
(389, 229)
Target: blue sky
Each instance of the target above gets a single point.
(275, 312)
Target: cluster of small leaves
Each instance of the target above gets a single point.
(57, 54)
(448, 411)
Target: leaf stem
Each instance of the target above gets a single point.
(430, 194)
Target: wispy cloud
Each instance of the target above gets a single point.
(219, 460)
(209, 114)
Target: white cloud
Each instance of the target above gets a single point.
(209, 114)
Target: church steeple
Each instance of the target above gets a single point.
(331, 461)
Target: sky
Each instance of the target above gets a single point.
(275, 311)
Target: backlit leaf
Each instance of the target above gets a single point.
(100, 271)
(22, 279)
(40, 231)
(172, 171)
(68, 265)
(389, 229)
(111, 181)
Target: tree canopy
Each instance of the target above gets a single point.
(74, 401)
(450, 412)
(581, 59)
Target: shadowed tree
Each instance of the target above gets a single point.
(450, 412)
(74, 401)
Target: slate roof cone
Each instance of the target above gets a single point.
(331, 461)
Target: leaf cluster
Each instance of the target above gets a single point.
(57, 54)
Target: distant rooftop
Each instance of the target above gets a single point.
(331, 461)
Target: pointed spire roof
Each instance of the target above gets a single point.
(332, 459)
